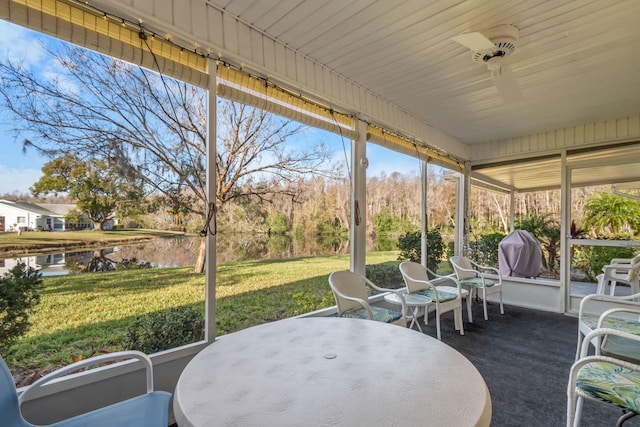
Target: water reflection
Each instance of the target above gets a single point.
(183, 251)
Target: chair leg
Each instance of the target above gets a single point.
(571, 409)
(501, 306)
(578, 414)
(579, 344)
(459, 310)
(484, 303)
(469, 311)
(438, 323)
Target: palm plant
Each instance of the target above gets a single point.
(611, 214)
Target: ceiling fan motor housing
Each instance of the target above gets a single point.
(505, 38)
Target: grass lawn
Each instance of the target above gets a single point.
(82, 313)
(32, 241)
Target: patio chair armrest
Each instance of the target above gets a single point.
(611, 311)
(92, 361)
(624, 267)
(399, 292)
(494, 272)
(378, 288)
(620, 260)
(440, 276)
(484, 268)
(469, 270)
(627, 299)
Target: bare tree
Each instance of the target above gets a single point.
(153, 129)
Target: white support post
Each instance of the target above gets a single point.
(512, 211)
(423, 213)
(565, 237)
(210, 260)
(358, 226)
(463, 189)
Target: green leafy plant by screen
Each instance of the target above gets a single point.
(165, 329)
(19, 294)
(411, 248)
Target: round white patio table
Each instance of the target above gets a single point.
(330, 372)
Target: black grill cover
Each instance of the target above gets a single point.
(519, 255)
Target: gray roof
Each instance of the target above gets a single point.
(61, 209)
(48, 209)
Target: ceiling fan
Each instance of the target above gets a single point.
(491, 47)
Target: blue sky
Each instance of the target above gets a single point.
(18, 170)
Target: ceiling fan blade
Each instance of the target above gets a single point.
(506, 84)
(474, 41)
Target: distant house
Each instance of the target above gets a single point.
(24, 216)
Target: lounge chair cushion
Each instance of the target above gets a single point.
(610, 383)
(379, 313)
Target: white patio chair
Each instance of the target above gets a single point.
(146, 410)
(474, 276)
(612, 312)
(621, 270)
(446, 298)
(603, 378)
(350, 292)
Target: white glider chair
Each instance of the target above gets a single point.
(446, 298)
(474, 276)
(350, 291)
(621, 270)
(146, 410)
(604, 378)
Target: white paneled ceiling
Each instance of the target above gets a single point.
(576, 61)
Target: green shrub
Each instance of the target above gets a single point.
(411, 248)
(166, 329)
(306, 302)
(385, 223)
(19, 294)
(385, 275)
(484, 250)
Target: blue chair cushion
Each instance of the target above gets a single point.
(476, 282)
(379, 313)
(442, 295)
(610, 383)
(147, 410)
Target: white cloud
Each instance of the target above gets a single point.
(19, 44)
(12, 180)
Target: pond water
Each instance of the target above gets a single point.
(183, 251)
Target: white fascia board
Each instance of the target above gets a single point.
(239, 44)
